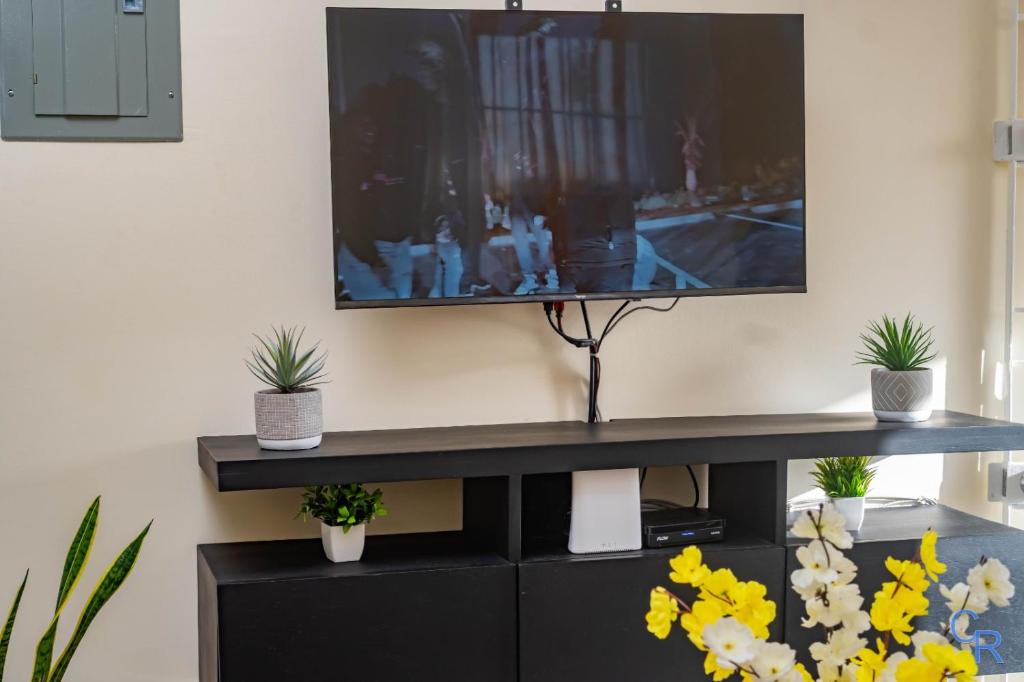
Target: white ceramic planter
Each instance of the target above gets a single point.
(901, 396)
(852, 509)
(289, 421)
(340, 546)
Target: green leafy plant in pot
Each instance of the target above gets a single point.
(846, 480)
(44, 668)
(289, 415)
(901, 385)
(343, 511)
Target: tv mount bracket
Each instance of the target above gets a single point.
(609, 5)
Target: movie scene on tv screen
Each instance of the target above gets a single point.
(488, 155)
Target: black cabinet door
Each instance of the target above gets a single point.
(583, 619)
(364, 622)
(963, 540)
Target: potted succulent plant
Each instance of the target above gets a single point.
(289, 415)
(901, 385)
(343, 511)
(846, 481)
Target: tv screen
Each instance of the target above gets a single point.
(495, 156)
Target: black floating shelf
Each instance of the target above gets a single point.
(237, 462)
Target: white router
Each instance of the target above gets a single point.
(605, 511)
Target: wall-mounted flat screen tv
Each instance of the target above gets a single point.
(496, 156)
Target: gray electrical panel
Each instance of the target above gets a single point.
(90, 70)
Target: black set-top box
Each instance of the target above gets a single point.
(682, 526)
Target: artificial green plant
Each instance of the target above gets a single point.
(346, 506)
(844, 476)
(897, 346)
(279, 362)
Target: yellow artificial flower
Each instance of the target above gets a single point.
(718, 584)
(664, 611)
(751, 608)
(743, 593)
(909, 573)
(870, 664)
(959, 663)
(718, 673)
(804, 675)
(887, 615)
(916, 670)
(688, 568)
(931, 562)
(913, 602)
(701, 613)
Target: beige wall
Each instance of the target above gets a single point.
(124, 322)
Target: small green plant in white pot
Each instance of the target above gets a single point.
(846, 481)
(343, 511)
(289, 415)
(901, 385)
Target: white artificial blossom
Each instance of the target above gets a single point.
(922, 637)
(824, 523)
(841, 645)
(817, 567)
(830, 672)
(732, 642)
(992, 579)
(958, 598)
(772, 661)
(833, 606)
(825, 582)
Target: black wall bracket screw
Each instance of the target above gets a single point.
(514, 5)
(612, 5)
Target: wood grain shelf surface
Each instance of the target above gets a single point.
(237, 462)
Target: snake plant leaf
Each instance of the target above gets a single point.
(78, 554)
(109, 584)
(44, 651)
(5, 635)
(74, 564)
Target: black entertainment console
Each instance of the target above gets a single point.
(503, 599)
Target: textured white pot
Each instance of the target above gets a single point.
(340, 546)
(901, 396)
(289, 421)
(852, 509)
